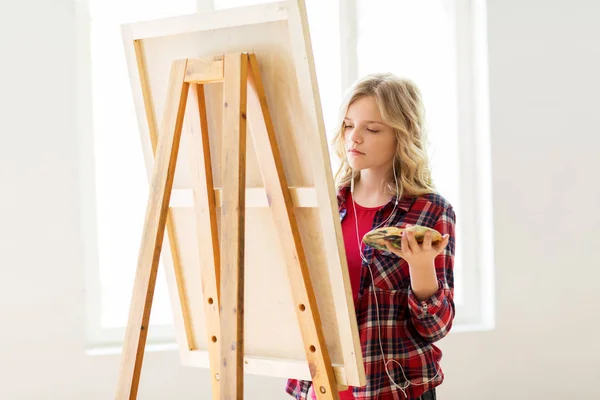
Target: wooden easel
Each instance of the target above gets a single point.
(244, 96)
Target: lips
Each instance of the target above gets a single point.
(354, 151)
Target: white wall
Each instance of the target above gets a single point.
(544, 63)
(544, 85)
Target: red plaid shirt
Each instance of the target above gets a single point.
(409, 327)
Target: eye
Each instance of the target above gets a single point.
(348, 126)
(372, 130)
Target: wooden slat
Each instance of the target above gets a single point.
(207, 21)
(257, 197)
(272, 367)
(305, 197)
(147, 97)
(180, 307)
(280, 200)
(206, 223)
(204, 70)
(153, 234)
(233, 180)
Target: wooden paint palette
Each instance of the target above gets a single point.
(376, 237)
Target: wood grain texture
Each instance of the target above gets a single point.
(205, 213)
(204, 70)
(153, 234)
(174, 269)
(233, 226)
(302, 197)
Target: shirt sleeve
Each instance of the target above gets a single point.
(432, 318)
(298, 389)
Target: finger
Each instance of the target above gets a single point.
(427, 241)
(405, 247)
(439, 247)
(412, 242)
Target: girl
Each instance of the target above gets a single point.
(403, 298)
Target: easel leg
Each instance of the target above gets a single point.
(206, 225)
(233, 226)
(171, 234)
(284, 217)
(153, 234)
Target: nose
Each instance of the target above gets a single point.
(354, 135)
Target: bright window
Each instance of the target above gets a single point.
(415, 39)
(440, 44)
(121, 180)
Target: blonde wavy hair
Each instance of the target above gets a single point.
(400, 104)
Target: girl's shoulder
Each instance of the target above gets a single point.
(435, 200)
(432, 206)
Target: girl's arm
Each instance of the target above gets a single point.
(431, 293)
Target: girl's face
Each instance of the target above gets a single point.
(370, 144)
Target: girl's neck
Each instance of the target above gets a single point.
(371, 191)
